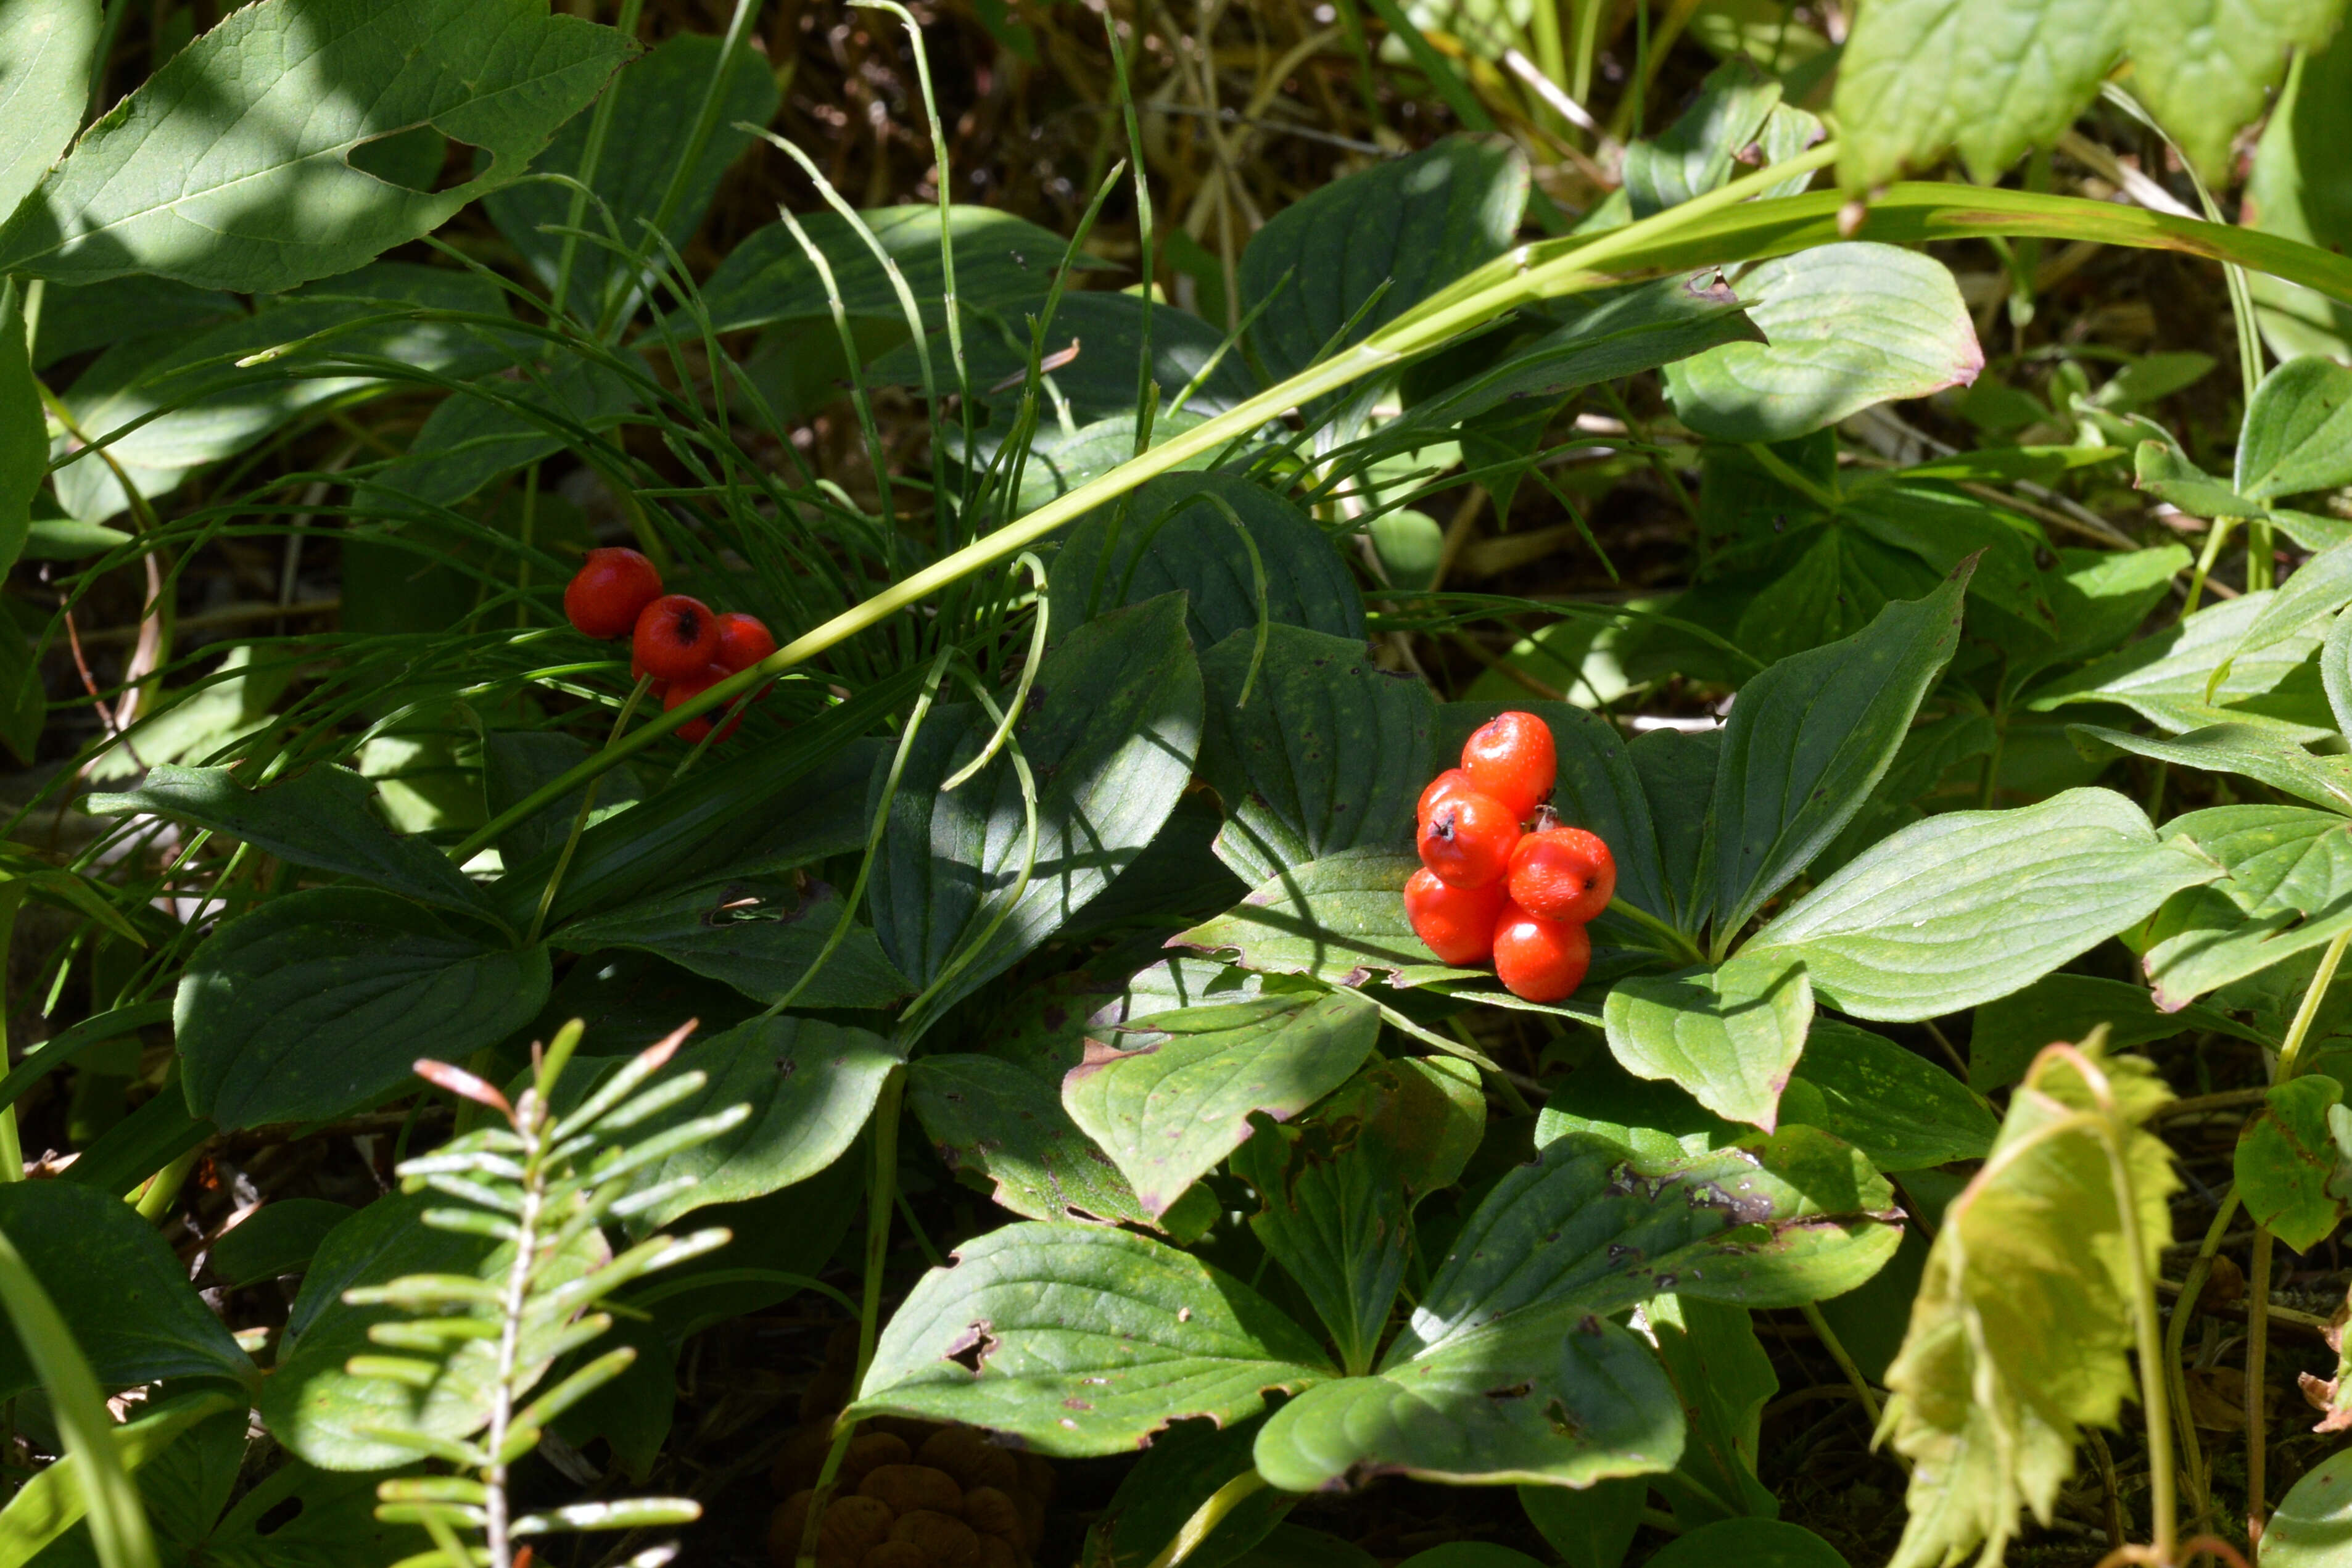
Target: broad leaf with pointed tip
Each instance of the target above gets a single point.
(998, 1124)
(2287, 888)
(1898, 1108)
(1730, 1036)
(2261, 756)
(1166, 1111)
(1080, 1339)
(758, 934)
(2297, 434)
(2165, 677)
(1341, 920)
(231, 167)
(1971, 905)
(2007, 1032)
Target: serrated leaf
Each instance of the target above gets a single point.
(229, 168)
(1728, 1036)
(1971, 905)
(1168, 1110)
(757, 933)
(2020, 1331)
(1326, 757)
(1169, 533)
(1846, 326)
(324, 818)
(2298, 433)
(1081, 1339)
(2289, 1171)
(1901, 1109)
(1341, 920)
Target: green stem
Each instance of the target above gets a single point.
(1832, 1343)
(155, 1195)
(1677, 944)
(2258, 1338)
(2176, 1337)
(1208, 1516)
(2314, 993)
(2214, 536)
(580, 818)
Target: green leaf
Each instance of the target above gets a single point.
(2320, 586)
(1971, 905)
(23, 428)
(335, 1527)
(1896, 1107)
(2277, 857)
(757, 933)
(2300, 189)
(230, 167)
(1109, 734)
(1414, 224)
(2288, 1168)
(2165, 677)
(278, 1238)
(1081, 1339)
(1183, 1465)
(2162, 470)
(1341, 921)
(2203, 939)
(1003, 1129)
(2019, 1332)
(229, 704)
(1677, 774)
(1590, 1529)
(2297, 434)
(134, 1314)
(318, 1003)
(1000, 260)
(45, 53)
(2205, 68)
(1722, 1378)
(1846, 326)
(2259, 754)
(469, 440)
(2309, 1527)
(2009, 1030)
(650, 122)
(1325, 757)
(810, 1085)
(52, 1502)
(1728, 1036)
(1168, 1111)
(1806, 743)
(1751, 1543)
(1339, 1189)
(324, 818)
(516, 761)
(1738, 107)
(1169, 534)
(1108, 332)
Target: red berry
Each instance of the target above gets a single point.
(1455, 923)
(1511, 757)
(605, 595)
(1563, 874)
(1452, 782)
(695, 685)
(676, 637)
(743, 641)
(1467, 840)
(1540, 960)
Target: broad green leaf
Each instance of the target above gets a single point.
(2007, 1031)
(133, 1313)
(2205, 68)
(23, 428)
(1750, 1542)
(1003, 1129)
(1409, 225)
(516, 761)
(2165, 677)
(1169, 534)
(2312, 1521)
(1061, 460)
(1971, 905)
(2260, 754)
(2203, 939)
(1590, 1529)
(469, 440)
(280, 1237)
(194, 721)
(24, 704)
(1000, 260)
(76, 320)
(45, 53)
(1721, 1377)
(230, 167)
(1341, 920)
(1325, 757)
(1652, 1117)
(1289, 1545)
(654, 99)
(1846, 326)
(2165, 473)
(2019, 1332)
(1169, 1110)
(2101, 596)
(318, 1003)
(53, 1501)
(205, 406)
(1896, 1106)
(810, 1085)
(2297, 434)
(1833, 591)
(324, 818)
(335, 1527)
(1109, 734)
(1107, 333)
(1470, 1554)
(2335, 671)
(2289, 1169)
(1728, 1036)
(1339, 1189)
(2277, 857)
(758, 933)
(2320, 586)
(1080, 1339)
(1677, 774)
(1807, 741)
(1738, 107)
(1183, 1465)
(2300, 189)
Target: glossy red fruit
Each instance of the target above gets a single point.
(1537, 959)
(1452, 782)
(1468, 840)
(1511, 757)
(1562, 874)
(676, 637)
(743, 641)
(612, 587)
(693, 729)
(1455, 923)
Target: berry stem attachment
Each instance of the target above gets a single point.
(579, 817)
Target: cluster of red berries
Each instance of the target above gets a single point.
(1500, 880)
(674, 638)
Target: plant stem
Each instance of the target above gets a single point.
(2317, 992)
(2176, 1336)
(2258, 1303)
(2155, 1387)
(2204, 568)
(1831, 1343)
(1208, 1516)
